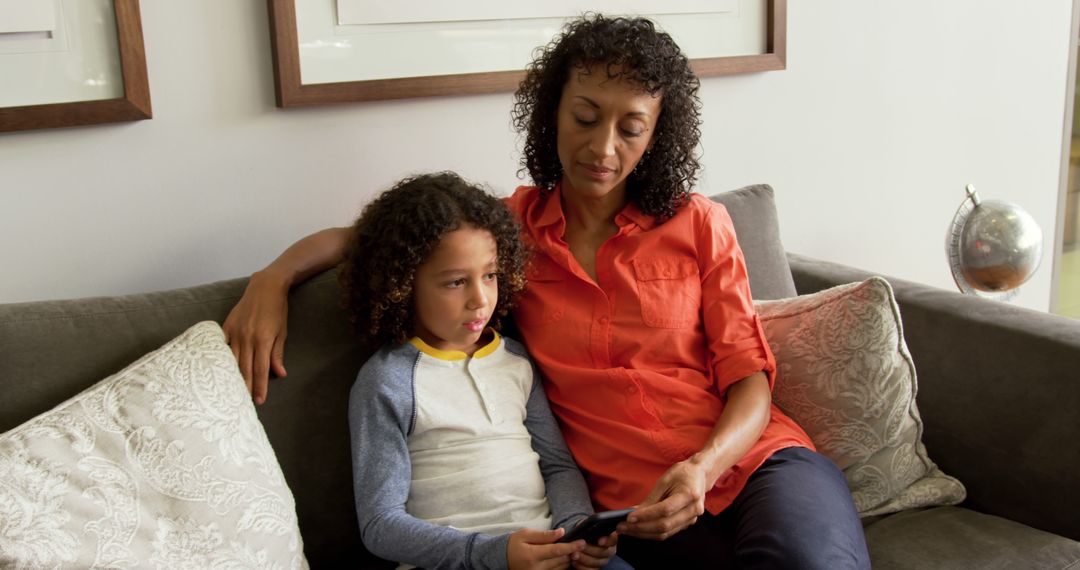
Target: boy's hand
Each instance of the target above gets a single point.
(537, 550)
(596, 555)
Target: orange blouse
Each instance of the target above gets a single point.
(636, 364)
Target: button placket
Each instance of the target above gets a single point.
(475, 372)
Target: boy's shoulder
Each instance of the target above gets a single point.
(515, 347)
(390, 366)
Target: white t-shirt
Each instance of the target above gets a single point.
(473, 465)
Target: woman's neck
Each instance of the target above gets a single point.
(591, 214)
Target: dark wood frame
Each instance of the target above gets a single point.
(133, 106)
(291, 93)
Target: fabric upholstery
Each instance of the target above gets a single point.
(53, 350)
(163, 464)
(947, 538)
(998, 394)
(757, 227)
(998, 391)
(844, 374)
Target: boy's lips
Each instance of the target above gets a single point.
(477, 325)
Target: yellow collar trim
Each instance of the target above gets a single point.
(456, 354)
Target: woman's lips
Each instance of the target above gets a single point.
(597, 172)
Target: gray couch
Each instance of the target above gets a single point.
(999, 391)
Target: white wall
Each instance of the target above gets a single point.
(886, 111)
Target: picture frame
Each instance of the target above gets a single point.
(291, 92)
(134, 105)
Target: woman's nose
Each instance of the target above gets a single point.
(603, 142)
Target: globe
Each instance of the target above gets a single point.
(993, 246)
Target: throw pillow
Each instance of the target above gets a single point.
(845, 375)
(162, 465)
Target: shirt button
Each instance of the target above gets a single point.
(630, 389)
(603, 320)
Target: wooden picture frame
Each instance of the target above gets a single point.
(134, 105)
(290, 92)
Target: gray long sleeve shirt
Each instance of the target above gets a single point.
(383, 416)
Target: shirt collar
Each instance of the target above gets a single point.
(452, 355)
(552, 213)
(632, 214)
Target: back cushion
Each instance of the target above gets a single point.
(756, 225)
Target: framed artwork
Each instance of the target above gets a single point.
(66, 63)
(337, 51)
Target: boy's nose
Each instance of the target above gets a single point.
(478, 299)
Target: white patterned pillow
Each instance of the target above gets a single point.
(845, 375)
(162, 465)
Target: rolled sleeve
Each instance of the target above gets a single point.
(737, 345)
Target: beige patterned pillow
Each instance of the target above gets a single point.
(162, 465)
(845, 375)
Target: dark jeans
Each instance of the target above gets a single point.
(795, 512)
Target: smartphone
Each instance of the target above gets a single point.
(596, 526)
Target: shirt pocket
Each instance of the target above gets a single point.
(669, 291)
(543, 303)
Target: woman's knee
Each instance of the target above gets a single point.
(796, 512)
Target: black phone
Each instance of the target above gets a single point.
(596, 526)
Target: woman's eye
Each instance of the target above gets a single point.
(491, 276)
(632, 133)
(456, 283)
(583, 121)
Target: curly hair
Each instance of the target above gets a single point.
(631, 49)
(397, 232)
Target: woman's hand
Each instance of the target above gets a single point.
(674, 504)
(537, 550)
(255, 330)
(596, 555)
(678, 498)
(256, 327)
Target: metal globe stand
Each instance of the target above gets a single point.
(993, 247)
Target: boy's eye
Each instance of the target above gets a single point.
(456, 283)
(491, 276)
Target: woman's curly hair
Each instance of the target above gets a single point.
(627, 48)
(398, 231)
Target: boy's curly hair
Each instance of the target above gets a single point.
(398, 231)
(626, 48)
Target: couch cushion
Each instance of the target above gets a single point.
(162, 464)
(52, 350)
(757, 227)
(845, 376)
(947, 538)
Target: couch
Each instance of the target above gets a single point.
(999, 391)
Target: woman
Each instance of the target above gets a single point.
(639, 315)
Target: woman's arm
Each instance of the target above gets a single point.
(256, 327)
(741, 367)
(679, 495)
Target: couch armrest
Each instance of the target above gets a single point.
(999, 394)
